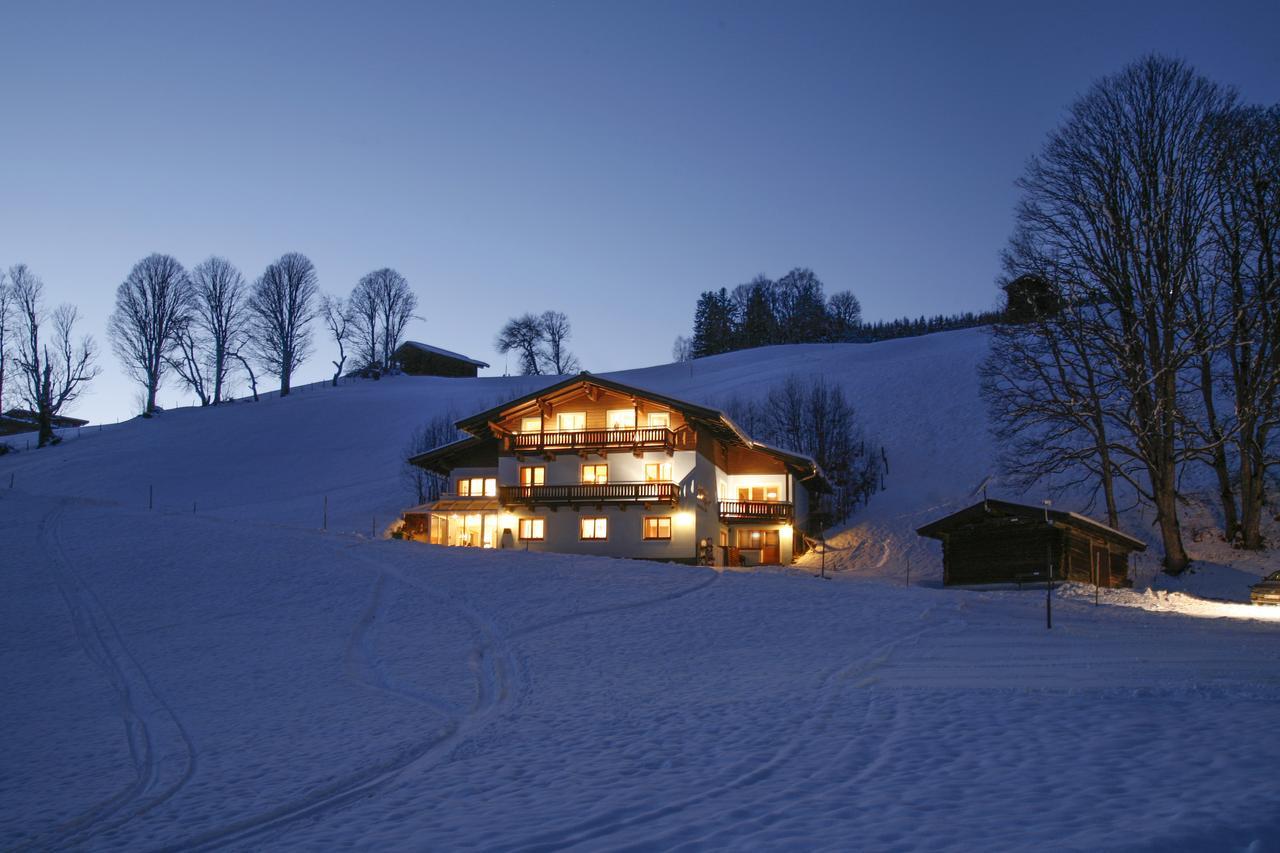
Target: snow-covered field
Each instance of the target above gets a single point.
(234, 676)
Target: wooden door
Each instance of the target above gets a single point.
(771, 554)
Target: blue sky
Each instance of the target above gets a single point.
(607, 160)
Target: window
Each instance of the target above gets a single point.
(659, 419)
(567, 421)
(757, 493)
(750, 538)
(595, 527)
(531, 424)
(724, 538)
(475, 487)
(595, 474)
(657, 527)
(533, 475)
(657, 472)
(533, 529)
(621, 418)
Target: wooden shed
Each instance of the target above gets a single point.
(1001, 542)
(419, 359)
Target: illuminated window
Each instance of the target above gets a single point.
(533, 475)
(595, 527)
(533, 529)
(474, 487)
(659, 419)
(657, 472)
(566, 421)
(724, 537)
(757, 493)
(531, 424)
(657, 527)
(621, 418)
(595, 474)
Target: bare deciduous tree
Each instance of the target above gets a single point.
(338, 318)
(153, 306)
(6, 321)
(1243, 268)
(382, 305)
(555, 332)
(525, 336)
(844, 313)
(682, 349)
(282, 306)
(422, 484)
(54, 369)
(1116, 206)
(216, 329)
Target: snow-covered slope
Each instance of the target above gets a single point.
(278, 459)
(235, 677)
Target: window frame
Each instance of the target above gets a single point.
(631, 416)
(657, 519)
(659, 478)
(560, 416)
(596, 481)
(665, 416)
(524, 424)
(596, 521)
(531, 521)
(540, 480)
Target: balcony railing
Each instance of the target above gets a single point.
(590, 494)
(648, 438)
(777, 511)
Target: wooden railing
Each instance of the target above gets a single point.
(761, 510)
(659, 438)
(588, 494)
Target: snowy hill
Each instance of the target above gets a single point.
(276, 460)
(235, 677)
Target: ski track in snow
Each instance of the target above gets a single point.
(163, 754)
(744, 774)
(499, 682)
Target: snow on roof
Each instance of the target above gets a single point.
(444, 352)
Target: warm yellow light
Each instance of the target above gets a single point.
(684, 519)
(787, 531)
(508, 521)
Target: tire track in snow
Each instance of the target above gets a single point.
(601, 826)
(163, 754)
(497, 677)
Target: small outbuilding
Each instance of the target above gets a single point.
(419, 359)
(1001, 542)
(24, 420)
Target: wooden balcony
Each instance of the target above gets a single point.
(646, 438)
(778, 512)
(589, 494)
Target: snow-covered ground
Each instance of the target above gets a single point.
(235, 676)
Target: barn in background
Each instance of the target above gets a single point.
(419, 359)
(1001, 542)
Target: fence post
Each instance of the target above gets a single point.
(151, 496)
(373, 526)
(325, 525)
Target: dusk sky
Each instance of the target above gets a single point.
(605, 160)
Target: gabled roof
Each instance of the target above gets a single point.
(446, 457)
(989, 509)
(28, 416)
(713, 419)
(428, 348)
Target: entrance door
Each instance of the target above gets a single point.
(1101, 566)
(771, 554)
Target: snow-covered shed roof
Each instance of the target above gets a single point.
(994, 508)
(418, 345)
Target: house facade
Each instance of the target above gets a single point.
(592, 466)
(419, 359)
